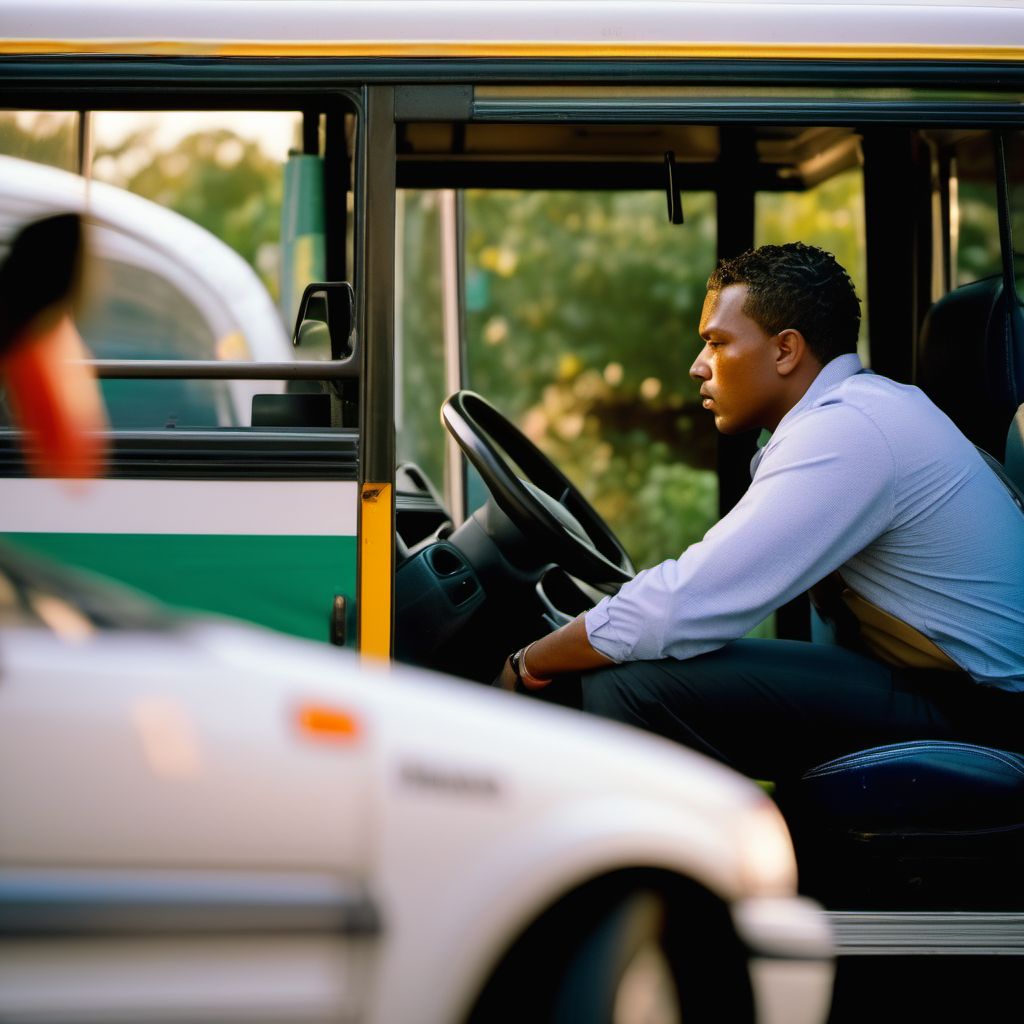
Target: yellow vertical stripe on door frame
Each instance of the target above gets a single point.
(375, 570)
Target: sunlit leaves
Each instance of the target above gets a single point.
(225, 183)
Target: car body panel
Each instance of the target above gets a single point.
(190, 760)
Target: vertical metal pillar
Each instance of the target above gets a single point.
(735, 214)
(376, 244)
(453, 306)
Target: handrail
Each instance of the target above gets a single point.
(203, 369)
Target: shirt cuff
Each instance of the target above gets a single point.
(601, 634)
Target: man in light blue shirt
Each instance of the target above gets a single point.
(864, 489)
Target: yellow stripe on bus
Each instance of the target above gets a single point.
(375, 546)
(454, 49)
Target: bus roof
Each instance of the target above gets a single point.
(588, 29)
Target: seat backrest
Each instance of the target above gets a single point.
(971, 360)
(1013, 461)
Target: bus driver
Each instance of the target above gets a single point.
(866, 493)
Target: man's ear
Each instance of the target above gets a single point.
(791, 351)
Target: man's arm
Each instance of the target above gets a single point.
(823, 491)
(818, 499)
(565, 650)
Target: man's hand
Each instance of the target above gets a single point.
(507, 678)
(565, 650)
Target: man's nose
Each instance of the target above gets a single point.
(700, 369)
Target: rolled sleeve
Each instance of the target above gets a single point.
(602, 633)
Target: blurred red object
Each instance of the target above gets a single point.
(53, 394)
(56, 400)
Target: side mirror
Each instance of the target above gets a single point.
(325, 317)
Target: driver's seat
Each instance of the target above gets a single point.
(933, 805)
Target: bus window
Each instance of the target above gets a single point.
(143, 312)
(420, 361)
(144, 302)
(581, 324)
(974, 221)
(829, 215)
(192, 220)
(224, 170)
(158, 184)
(42, 136)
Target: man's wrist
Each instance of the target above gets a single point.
(524, 676)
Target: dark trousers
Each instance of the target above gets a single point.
(774, 708)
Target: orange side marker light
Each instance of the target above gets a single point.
(327, 724)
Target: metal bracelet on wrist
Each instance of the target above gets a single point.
(524, 677)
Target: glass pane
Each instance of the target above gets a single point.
(221, 169)
(186, 247)
(582, 314)
(976, 219)
(419, 340)
(830, 216)
(42, 136)
(137, 314)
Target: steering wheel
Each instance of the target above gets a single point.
(542, 503)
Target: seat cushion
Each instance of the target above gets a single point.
(925, 787)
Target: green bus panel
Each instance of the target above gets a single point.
(285, 582)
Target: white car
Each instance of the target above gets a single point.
(201, 820)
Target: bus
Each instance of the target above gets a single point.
(523, 199)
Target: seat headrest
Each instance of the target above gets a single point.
(971, 360)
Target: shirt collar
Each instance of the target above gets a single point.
(831, 374)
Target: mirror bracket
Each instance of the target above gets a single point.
(331, 303)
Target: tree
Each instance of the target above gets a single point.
(223, 182)
(41, 136)
(582, 310)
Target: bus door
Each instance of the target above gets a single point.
(234, 440)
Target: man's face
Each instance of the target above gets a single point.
(737, 368)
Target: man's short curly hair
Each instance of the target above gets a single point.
(797, 286)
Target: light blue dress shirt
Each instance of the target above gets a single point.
(863, 475)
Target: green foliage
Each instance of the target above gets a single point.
(221, 181)
(224, 183)
(830, 216)
(586, 279)
(582, 312)
(978, 251)
(43, 137)
(421, 387)
(582, 325)
(609, 445)
(978, 254)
